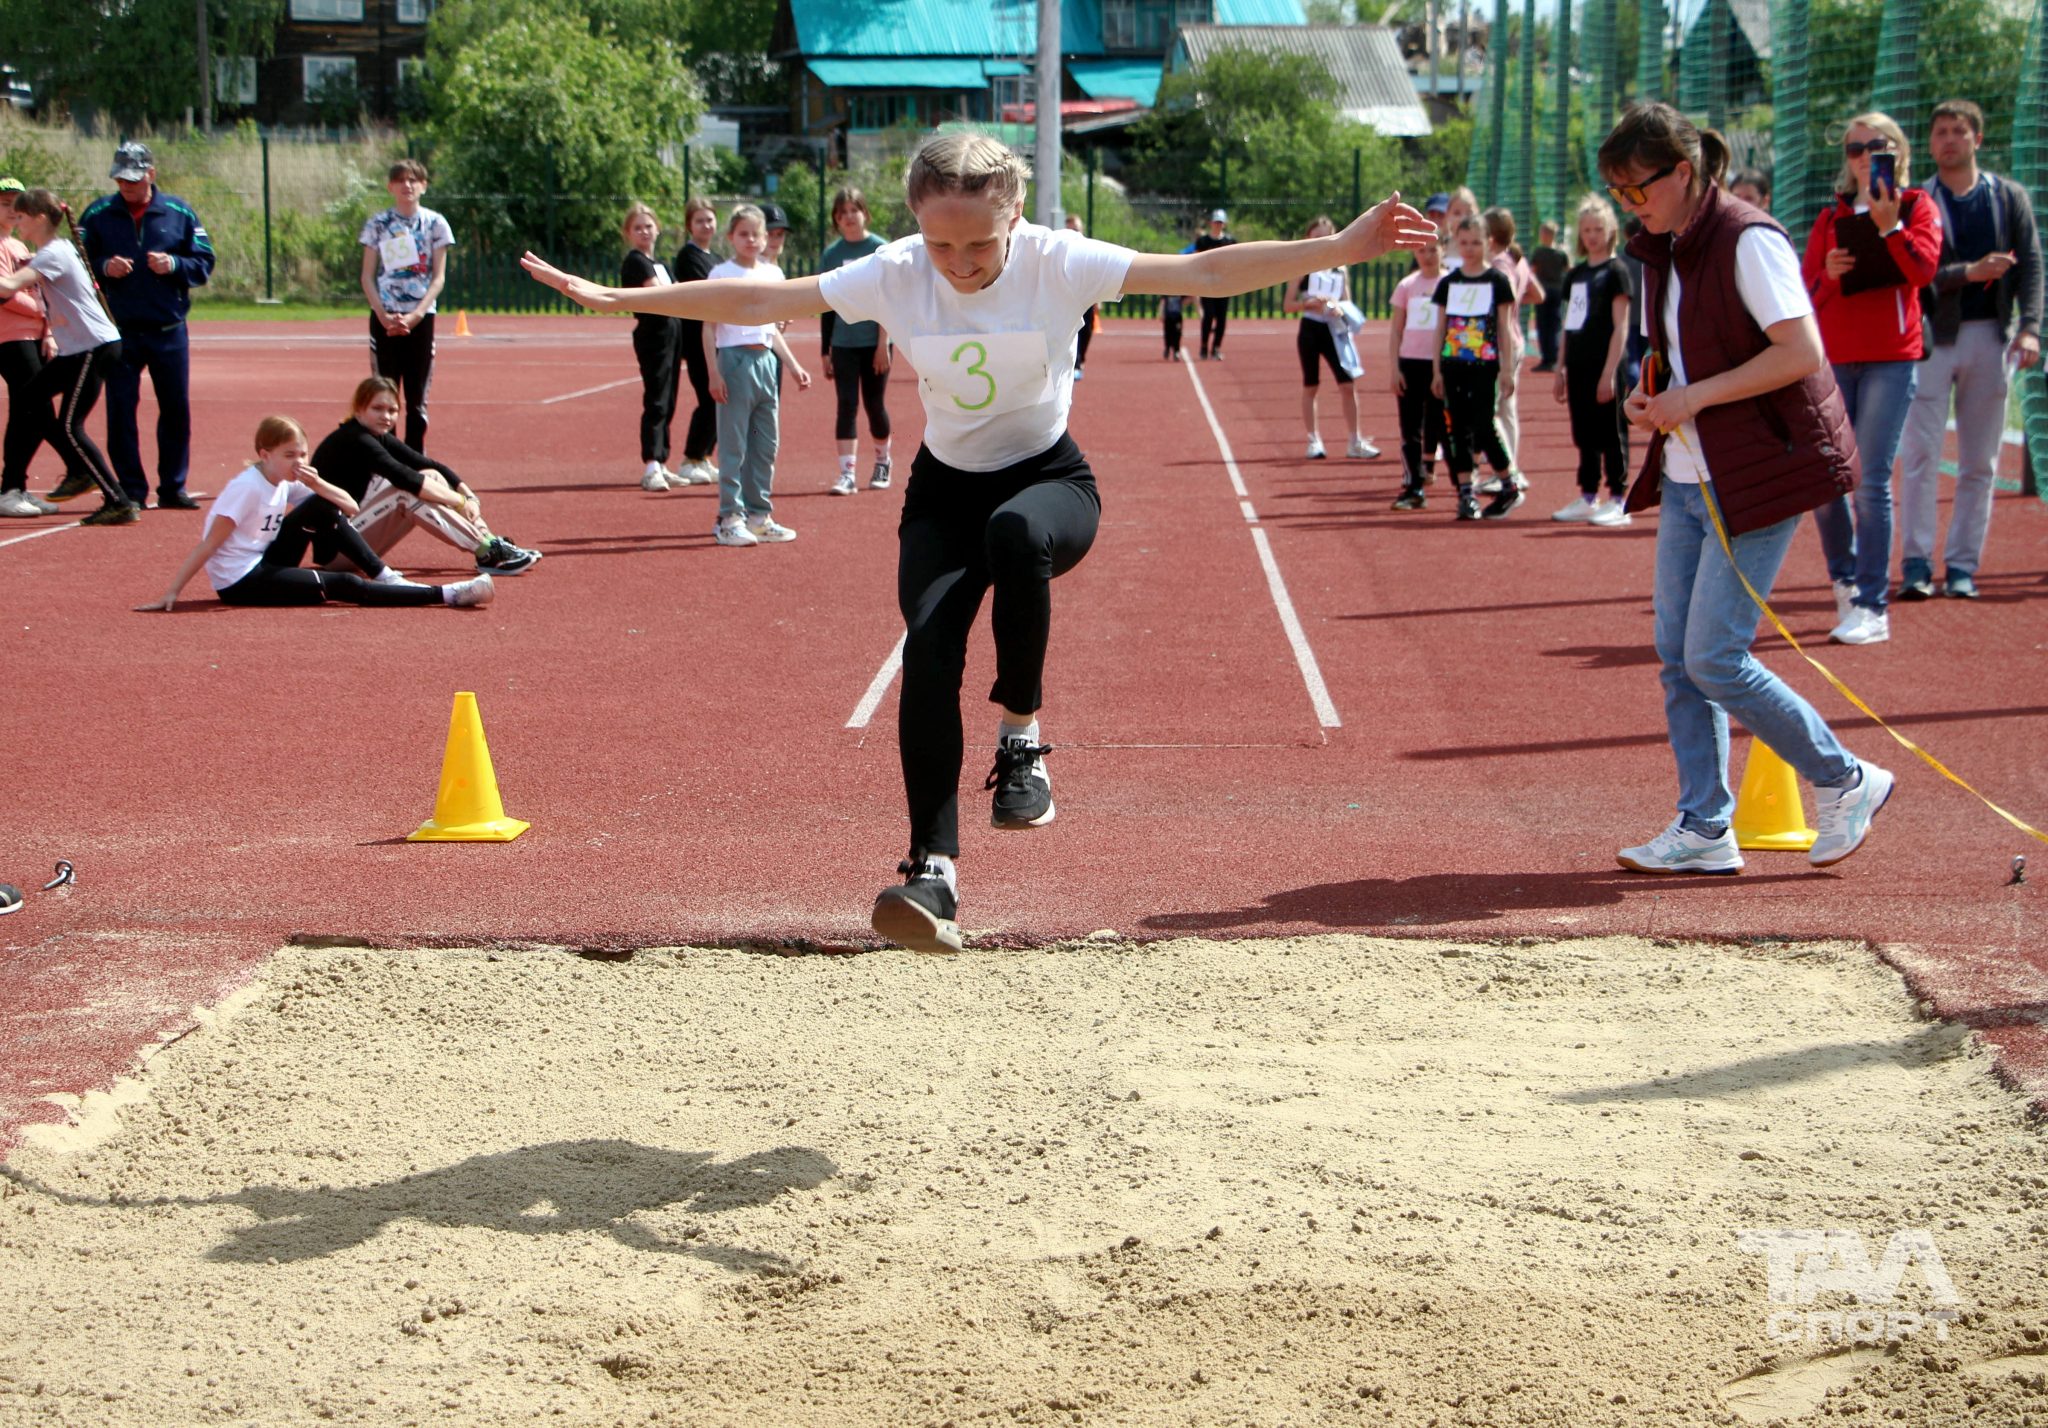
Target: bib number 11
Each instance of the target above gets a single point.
(975, 369)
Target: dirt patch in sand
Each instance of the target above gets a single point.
(1330, 1180)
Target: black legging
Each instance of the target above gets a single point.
(1469, 389)
(1422, 419)
(857, 382)
(27, 419)
(1215, 312)
(279, 579)
(962, 532)
(408, 361)
(1082, 338)
(654, 346)
(1314, 344)
(702, 437)
(1596, 431)
(75, 381)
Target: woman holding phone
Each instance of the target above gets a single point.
(1870, 253)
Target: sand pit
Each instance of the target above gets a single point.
(1335, 1181)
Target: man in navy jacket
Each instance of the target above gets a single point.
(148, 251)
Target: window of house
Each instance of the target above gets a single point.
(350, 10)
(323, 70)
(883, 111)
(234, 80)
(1012, 89)
(415, 12)
(412, 71)
(1120, 24)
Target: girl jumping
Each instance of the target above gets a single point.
(999, 496)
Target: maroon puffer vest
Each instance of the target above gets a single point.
(1771, 456)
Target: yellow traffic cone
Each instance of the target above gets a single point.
(468, 809)
(462, 323)
(1768, 815)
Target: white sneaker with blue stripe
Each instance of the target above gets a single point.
(1676, 850)
(1842, 816)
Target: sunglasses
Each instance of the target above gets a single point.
(1635, 195)
(1868, 146)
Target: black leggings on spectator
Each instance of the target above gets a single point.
(1215, 315)
(961, 533)
(280, 580)
(1469, 389)
(654, 347)
(1422, 419)
(1084, 337)
(1596, 431)
(857, 383)
(27, 418)
(75, 382)
(409, 361)
(702, 437)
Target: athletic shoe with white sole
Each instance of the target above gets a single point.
(654, 479)
(1581, 509)
(1845, 599)
(1493, 485)
(1842, 816)
(693, 473)
(1509, 498)
(1862, 626)
(498, 556)
(768, 531)
(732, 530)
(1468, 504)
(1315, 449)
(470, 594)
(1610, 513)
(1361, 449)
(125, 514)
(919, 913)
(17, 504)
(1677, 851)
(846, 485)
(879, 478)
(390, 576)
(1023, 789)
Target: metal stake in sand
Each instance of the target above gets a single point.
(467, 809)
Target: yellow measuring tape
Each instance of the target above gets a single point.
(1721, 530)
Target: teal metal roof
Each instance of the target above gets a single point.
(987, 28)
(1259, 12)
(1118, 79)
(960, 73)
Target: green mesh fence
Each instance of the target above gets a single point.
(2029, 165)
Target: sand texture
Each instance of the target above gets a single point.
(1336, 1180)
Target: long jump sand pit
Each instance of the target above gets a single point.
(1326, 1181)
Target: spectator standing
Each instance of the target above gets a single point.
(25, 344)
(150, 251)
(693, 264)
(1597, 296)
(1324, 336)
(1987, 283)
(856, 353)
(1549, 263)
(1215, 310)
(1870, 327)
(405, 265)
(747, 383)
(1481, 350)
(654, 347)
(1753, 187)
(1412, 343)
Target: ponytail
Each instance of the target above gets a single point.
(1654, 135)
(1714, 156)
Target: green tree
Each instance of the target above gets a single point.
(136, 62)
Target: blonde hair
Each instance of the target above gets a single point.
(636, 211)
(741, 212)
(1594, 206)
(1883, 123)
(1465, 196)
(965, 162)
(274, 431)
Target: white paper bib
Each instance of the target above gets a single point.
(399, 251)
(983, 373)
(1578, 309)
(1471, 299)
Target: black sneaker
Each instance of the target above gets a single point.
(919, 913)
(1510, 497)
(500, 557)
(1411, 499)
(175, 501)
(71, 488)
(1468, 504)
(125, 514)
(1023, 789)
(1918, 584)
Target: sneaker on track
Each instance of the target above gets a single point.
(732, 530)
(471, 594)
(1411, 499)
(1612, 512)
(1468, 504)
(498, 556)
(71, 488)
(1023, 789)
(390, 576)
(1510, 497)
(1842, 816)
(1581, 509)
(693, 473)
(1315, 450)
(919, 913)
(17, 504)
(1361, 449)
(768, 531)
(845, 485)
(1960, 585)
(653, 479)
(125, 514)
(1916, 581)
(1677, 851)
(878, 479)
(1863, 626)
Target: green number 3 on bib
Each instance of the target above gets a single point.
(966, 376)
(976, 370)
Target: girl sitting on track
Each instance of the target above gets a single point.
(986, 305)
(1316, 297)
(396, 488)
(654, 347)
(264, 520)
(856, 353)
(88, 345)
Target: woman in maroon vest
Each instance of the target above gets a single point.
(1743, 414)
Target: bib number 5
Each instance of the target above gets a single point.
(975, 369)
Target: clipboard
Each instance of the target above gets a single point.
(1875, 266)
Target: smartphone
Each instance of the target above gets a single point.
(1884, 174)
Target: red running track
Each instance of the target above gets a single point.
(672, 716)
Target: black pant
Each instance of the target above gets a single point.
(408, 361)
(1081, 338)
(280, 580)
(654, 345)
(962, 532)
(1315, 344)
(75, 381)
(702, 437)
(1596, 430)
(1468, 401)
(1215, 312)
(1172, 321)
(28, 418)
(858, 384)
(1549, 323)
(1422, 420)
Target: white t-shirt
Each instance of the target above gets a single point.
(77, 320)
(255, 508)
(1773, 290)
(752, 335)
(996, 367)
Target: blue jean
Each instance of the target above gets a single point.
(1706, 623)
(1858, 546)
(749, 431)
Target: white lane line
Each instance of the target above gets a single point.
(879, 686)
(37, 535)
(588, 391)
(1297, 638)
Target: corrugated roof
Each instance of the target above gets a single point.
(1374, 86)
(1119, 78)
(987, 28)
(945, 73)
(1258, 12)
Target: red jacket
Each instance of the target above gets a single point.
(1877, 324)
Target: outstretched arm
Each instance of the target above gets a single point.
(1241, 267)
(732, 300)
(215, 536)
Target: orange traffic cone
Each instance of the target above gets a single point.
(1768, 815)
(467, 809)
(462, 323)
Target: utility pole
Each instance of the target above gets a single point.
(205, 72)
(1045, 155)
